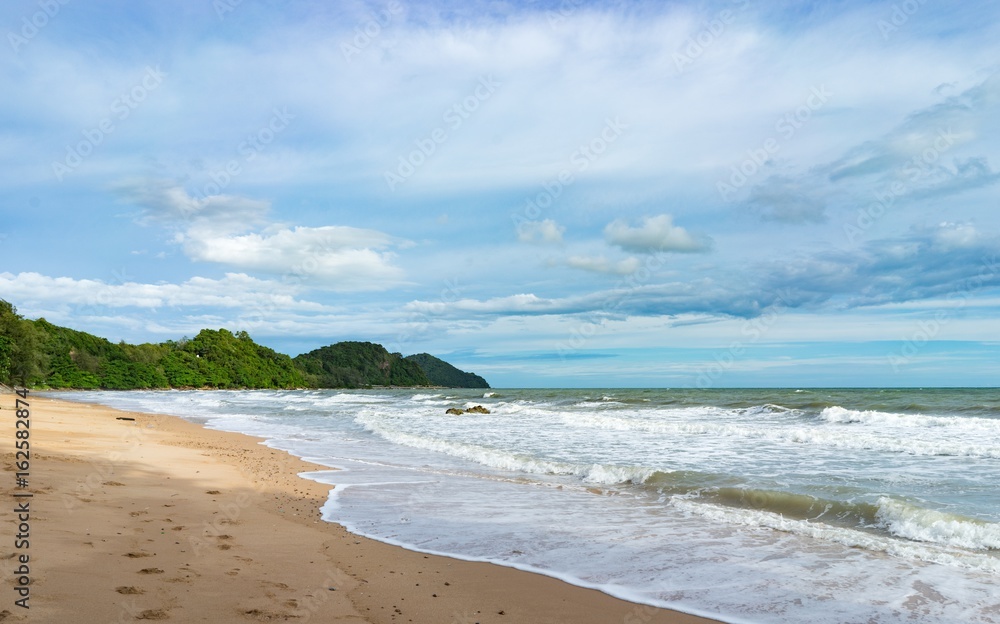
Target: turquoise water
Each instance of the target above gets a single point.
(783, 505)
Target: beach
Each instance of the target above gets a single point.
(137, 516)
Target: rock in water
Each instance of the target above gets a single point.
(475, 409)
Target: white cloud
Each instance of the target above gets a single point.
(656, 233)
(235, 290)
(547, 231)
(513, 304)
(216, 229)
(167, 203)
(338, 257)
(957, 236)
(600, 264)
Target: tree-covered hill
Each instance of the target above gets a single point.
(442, 373)
(37, 353)
(40, 354)
(357, 365)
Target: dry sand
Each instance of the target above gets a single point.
(158, 518)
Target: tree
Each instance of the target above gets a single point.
(20, 359)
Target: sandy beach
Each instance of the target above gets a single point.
(138, 517)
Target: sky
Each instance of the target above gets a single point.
(547, 193)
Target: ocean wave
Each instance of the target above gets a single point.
(889, 442)
(939, 527)
(853, 538)
(342, 398)
(842, 415)
(600, 474)
(426, 397)
(731, 491)
(893, 516)
(599, 404)
(767, 409)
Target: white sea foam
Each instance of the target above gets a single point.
(838, 414)
(831, 438)
(347, 398)
(505, 460)
(928, 552)
(426, 397)
(938, 527)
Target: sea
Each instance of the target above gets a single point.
(828, 506)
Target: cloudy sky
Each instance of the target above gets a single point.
(574, 193)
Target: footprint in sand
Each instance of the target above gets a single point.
(137, 555)
(130, 589)
(150, 571)
(264, 615)
(154, 614)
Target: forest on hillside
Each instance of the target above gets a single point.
(38, 354)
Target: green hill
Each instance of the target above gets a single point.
(442, 373)
(221, 359)
(40, 354)
(357, 365)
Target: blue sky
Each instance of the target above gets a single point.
(670, 194)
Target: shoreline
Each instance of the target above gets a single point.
(160, 518)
